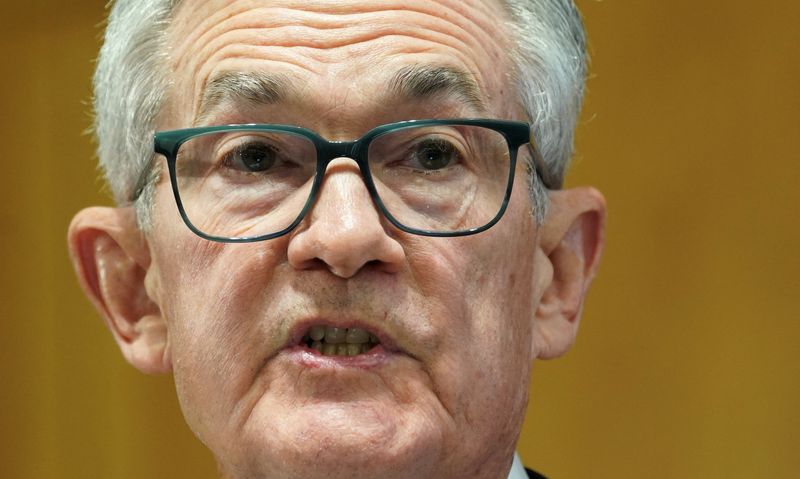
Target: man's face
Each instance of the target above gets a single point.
(445, 392)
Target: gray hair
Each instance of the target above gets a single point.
(131, 83)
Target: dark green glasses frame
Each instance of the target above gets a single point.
(516, 134)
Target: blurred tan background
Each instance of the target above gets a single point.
(687, 362)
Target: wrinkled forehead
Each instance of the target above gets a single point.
(348, 55)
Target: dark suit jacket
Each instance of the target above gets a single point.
(533, 474)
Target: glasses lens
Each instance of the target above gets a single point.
(442, 178)
(245, 183)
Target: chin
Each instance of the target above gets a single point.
(350, 440)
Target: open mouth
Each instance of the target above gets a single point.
(332, 341)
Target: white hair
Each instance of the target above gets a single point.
(550, 64)
(131, 83)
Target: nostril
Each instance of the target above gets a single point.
(311, 264)
(373, 263)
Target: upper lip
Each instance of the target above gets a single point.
(301, 327)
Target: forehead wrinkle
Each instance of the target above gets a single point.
(480, 27)
(326, 37)
(461, 82)
(346, 13)
(216, 36)
(472, 31)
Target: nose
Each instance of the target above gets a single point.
(343, 231)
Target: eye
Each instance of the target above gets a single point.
(252, 156)
(434, 154)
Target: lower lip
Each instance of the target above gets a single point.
(311, 358)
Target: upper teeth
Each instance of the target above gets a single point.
(332, 335)
(340, 341)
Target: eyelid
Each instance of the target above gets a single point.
(402, 148)
(237, 140)
(458, 144)
(227, 146)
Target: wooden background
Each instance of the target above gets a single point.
(687, 362)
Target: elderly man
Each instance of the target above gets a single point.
(340, 225)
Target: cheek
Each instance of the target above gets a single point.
(205, 285)
(485, 363)
(214, 297)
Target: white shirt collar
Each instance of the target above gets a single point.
(517, 469)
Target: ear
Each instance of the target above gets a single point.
(571, 243)
(112, 259)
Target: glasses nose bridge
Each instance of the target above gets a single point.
(330, 150)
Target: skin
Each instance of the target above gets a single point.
(450, 400)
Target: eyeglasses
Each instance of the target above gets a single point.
(244, 183)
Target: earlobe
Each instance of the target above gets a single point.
(112, 261)
(571, 244)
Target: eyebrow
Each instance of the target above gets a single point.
(414, 82)
(419, 82)
(257, 88)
